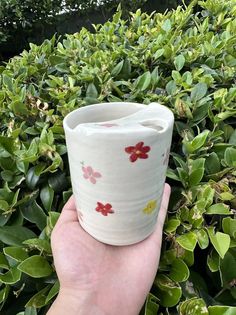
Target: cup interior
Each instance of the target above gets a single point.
(158, 124)
(100, 112)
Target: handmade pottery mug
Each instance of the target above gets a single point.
(118, 156)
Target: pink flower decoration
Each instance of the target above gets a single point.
(90, 174)
(104, 209)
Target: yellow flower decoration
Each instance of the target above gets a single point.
(150, 207)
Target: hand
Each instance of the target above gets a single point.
(96, 278)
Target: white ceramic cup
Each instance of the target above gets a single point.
(118, 156)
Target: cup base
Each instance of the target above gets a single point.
(117, 242)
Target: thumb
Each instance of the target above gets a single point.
(157, 234)
(69, 213)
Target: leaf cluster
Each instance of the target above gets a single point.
(25, 18)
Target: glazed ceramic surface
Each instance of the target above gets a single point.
(118, 156)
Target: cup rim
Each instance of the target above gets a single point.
(103, 106)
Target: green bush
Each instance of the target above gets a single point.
(182, 59)
(27, 21)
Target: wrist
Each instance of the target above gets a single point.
(75, 303)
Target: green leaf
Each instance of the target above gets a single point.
(61, 68)
(172, 174)
(187, 256)
(171, 87)
(151, 305)
(7, 81)
(230, 157)
(206, 195)
(19, 108)
(3, 262)
(91, 91)
(51, 221)
(227, 275)
(188, 241)
(232, 139)
(196, 173)
(39, 299)
(166, 26)
(8, 144)
(179, 62)
(172, 225)
(30, 311)
(22, 166)
(202, 238)
(198, 91)
(53, 291)
(31, 154)
(228, 269)
(4, 219)
(39, 244)
(7, 175)
(143, 82)
(16, 253)
(198, 282)
(168, 291)
(199, 140)
(158, 53)
(194, 306)
(46, 196)
(221, 310)
(117, 69)
(182, 107)
(196, 176)
(66, 195)
(220, 241)
(15, 235)
(187, 77)
(34, 213)
(226, 196)
(213, 261)
(126, 69)
(229, 226)
(15, 198)
(218, 208)
(212, 164)
(55, 60)
(4, 294)
(179, 270)
(36, 267)
(233, 292)
(168, 256)
(6, 193)
(10, 277)
(58, 182)
(4, 206)
(32, 178)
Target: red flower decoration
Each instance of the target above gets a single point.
(104, 209)
(90, 174)
(138, 151)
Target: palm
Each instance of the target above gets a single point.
(121, 275)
